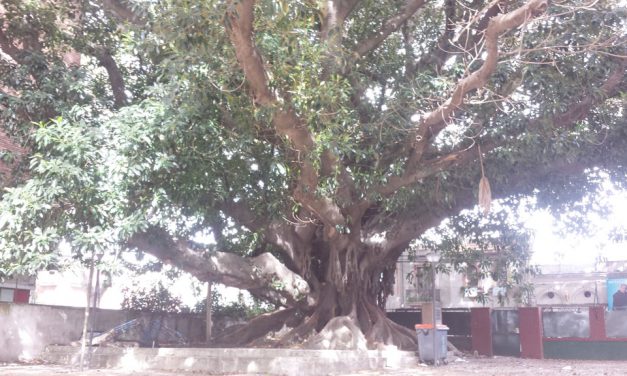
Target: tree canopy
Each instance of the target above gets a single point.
(313, 140)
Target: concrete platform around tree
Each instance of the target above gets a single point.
(468, 366)
(236, 360)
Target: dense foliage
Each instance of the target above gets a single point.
(155, 298)
(494, 249)
(313, 141)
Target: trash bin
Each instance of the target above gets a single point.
(425, 343)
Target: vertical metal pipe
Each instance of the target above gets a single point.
(435, 320)
(86, 319)
(208, 317)
(92, 320)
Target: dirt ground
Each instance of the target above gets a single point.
(504, 366)
(497, 366)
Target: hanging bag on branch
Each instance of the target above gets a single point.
(485, 195)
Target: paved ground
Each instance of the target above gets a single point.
(498, 366)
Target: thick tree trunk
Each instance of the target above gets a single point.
(333, 299)
(346, 314)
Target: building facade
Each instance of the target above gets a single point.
(17, 289)
(555, 286)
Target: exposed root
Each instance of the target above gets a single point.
(387, 332)
(258, 327)
(454, 349)
(364, 318)
(341, 333)
(339, 321)
(300, 332)
(366, 327)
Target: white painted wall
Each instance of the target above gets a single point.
(26, 329)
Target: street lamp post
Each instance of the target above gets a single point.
(433, 259)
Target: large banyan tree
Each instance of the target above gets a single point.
(313, 140)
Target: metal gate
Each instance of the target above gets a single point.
(505, 332)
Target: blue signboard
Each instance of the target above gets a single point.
(617, 294)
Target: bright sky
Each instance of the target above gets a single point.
(550, 248)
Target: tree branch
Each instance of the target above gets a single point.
(115, 75)
(389, 26)
(239, 25)
(576, 111)
(121, 11)
(412, 227)
(9, 48)
(347, 6)
(465, 42)
(278, 232)
(434, 122)
(263, 275)
(610, 88)
(431, 167)
(334, 13)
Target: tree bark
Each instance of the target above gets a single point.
(263, 275)
(116, 80)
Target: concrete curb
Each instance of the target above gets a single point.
(236, 360)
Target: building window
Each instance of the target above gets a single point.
(14, 295)
(21, 296)
(6, 295)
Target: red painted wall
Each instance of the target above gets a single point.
(597, 322)
(21, 296)
(530, 325)
(481, 331)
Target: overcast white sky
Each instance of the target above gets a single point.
(550, 248)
